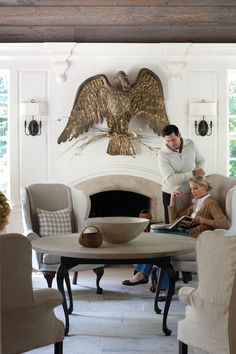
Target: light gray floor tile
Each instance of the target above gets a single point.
(121, 320)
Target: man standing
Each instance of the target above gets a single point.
(178, 160)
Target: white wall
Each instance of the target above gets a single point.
(189, 73)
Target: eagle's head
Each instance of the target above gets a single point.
(121, 81)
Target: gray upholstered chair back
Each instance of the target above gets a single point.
(15, 271)
(50, 197)
(220, 188)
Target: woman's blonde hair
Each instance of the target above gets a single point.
(202, 181)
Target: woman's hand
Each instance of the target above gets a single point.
(197, 220)
(204, 221)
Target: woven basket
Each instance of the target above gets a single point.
(91, 239)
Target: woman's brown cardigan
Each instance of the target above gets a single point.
(210, 210)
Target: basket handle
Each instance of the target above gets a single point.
(95, 227)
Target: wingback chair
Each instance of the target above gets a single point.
(210, 316)
(73, 206)
(224, 191)
(27, 316)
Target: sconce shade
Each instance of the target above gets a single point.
(203, 109)
(32, 109)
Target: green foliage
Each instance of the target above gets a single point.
(232, 87)
(3, 148)
(3, 126)
(232, 125)
(232, 148)
(232, 105)
(3, 105)
(3, 82)
(4, 178)
(232, 169)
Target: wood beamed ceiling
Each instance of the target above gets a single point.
(133, 21)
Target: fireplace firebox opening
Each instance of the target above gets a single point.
(118, 203)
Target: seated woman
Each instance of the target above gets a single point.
(206, 214)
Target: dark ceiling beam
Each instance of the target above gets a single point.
(115, 3)
(125, 34)
(120, 16)
(146, 21)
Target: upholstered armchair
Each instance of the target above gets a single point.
(51, 210)
(27, 316)
(224, 191)
(210, 316)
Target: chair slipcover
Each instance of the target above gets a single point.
(27, 317)
(210, 319)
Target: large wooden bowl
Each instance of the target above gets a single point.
(118, 229)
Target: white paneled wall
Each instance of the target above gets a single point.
(203, 85)
(33, 149)
(188, 73)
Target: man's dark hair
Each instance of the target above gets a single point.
(169, 129)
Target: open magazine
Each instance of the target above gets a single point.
(182, 224)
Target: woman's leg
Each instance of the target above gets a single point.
(144, 268)
(165, 280)
(141, 276)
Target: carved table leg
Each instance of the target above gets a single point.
(49, 276)
(67, 280)
(159, 281)
(75, 277)
(165, 266)
(171, 290)
(62, 272)
(99, 272)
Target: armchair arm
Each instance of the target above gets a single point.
(31, 235)
(36, 256)
(51, 297)
(185, 294)
(81, 207)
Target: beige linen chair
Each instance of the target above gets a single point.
(73, 206)
(27, 317)
(210, 318)
(224, 191)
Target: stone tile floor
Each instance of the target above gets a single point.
(121, 320)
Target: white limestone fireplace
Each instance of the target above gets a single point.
(129, 183)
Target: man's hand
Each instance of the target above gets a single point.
(199, 172)
(176, 194)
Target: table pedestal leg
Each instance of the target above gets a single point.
(171, 290)
(159, 281)
(165, 267)
(62, 273)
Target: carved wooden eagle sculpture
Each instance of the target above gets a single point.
(97, 99)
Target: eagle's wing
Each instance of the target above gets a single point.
(147, 100)
(89, 107)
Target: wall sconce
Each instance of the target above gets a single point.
(203, 109)
(32, 109)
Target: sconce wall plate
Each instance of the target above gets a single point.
(34, 127)
(32, 109)
(202, 128)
